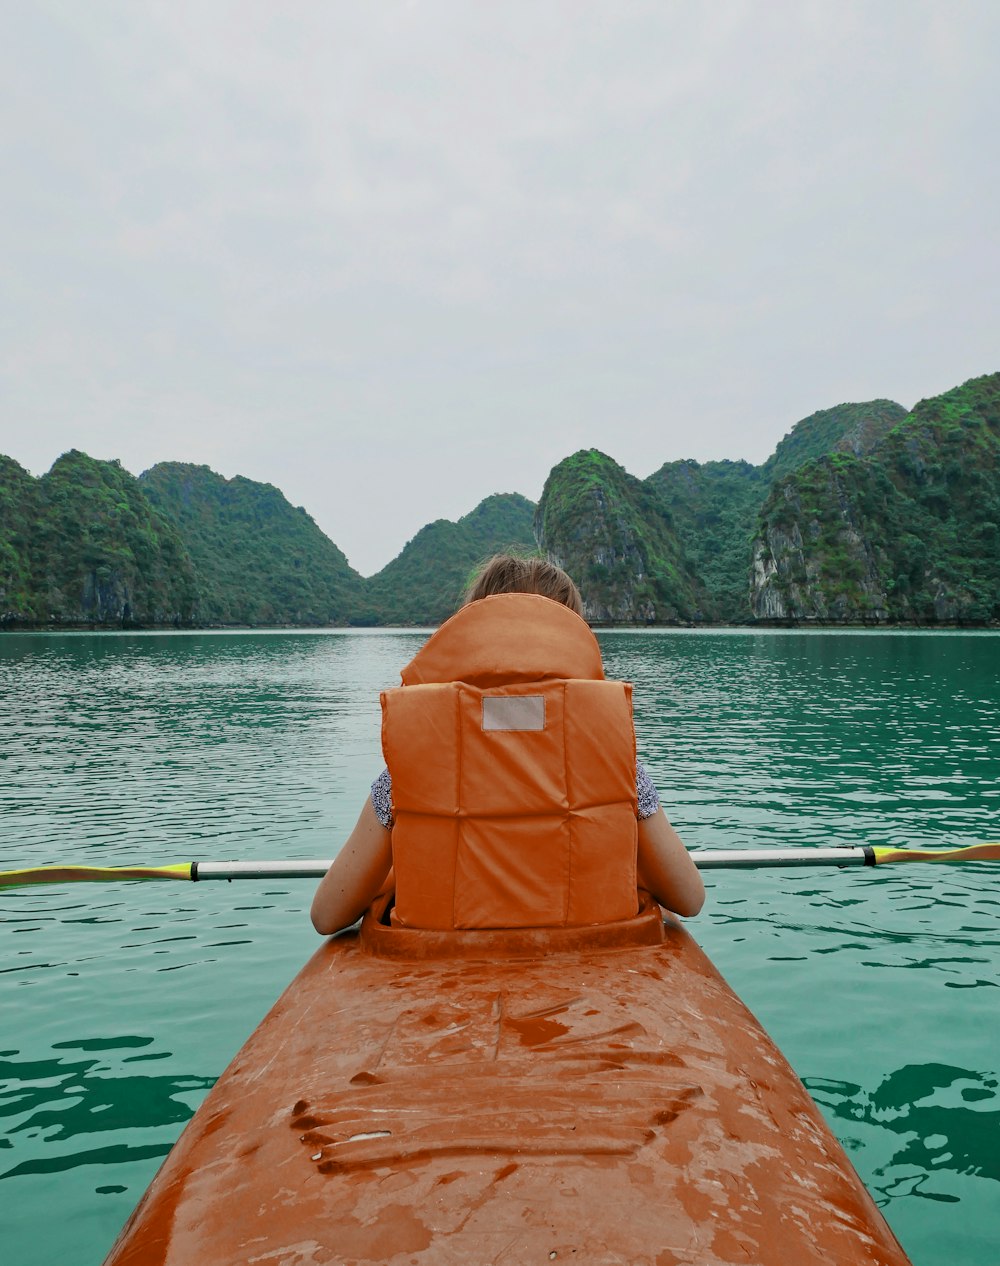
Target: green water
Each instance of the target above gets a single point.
(120, 1004)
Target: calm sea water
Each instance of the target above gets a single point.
(120, 1004)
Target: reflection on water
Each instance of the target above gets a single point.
(949, 1119)
(119, 1005)
(50, 1101)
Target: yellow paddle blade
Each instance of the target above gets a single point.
(969, 853)
(81, 874)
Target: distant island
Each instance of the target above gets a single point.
(865, 514)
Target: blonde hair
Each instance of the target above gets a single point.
(513, 573)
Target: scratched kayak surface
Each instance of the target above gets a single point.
(590, 1095)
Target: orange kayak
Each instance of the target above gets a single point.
(591, 1095)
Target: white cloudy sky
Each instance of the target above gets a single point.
(393, 257)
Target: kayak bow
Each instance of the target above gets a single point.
(596, 1095)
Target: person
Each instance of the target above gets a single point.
(630, 845)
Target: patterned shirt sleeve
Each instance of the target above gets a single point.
(382, 799)
(649, 801)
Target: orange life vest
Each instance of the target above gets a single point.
(513, 774)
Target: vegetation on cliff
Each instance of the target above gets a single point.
(616, 538)
(909, 533)
(715, 505)
(18, 518)
(88, 544)
(846, 428)
(83, 545)
(258, 559)
(424, 583)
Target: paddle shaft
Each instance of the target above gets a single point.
(759, 858)
(704, 859)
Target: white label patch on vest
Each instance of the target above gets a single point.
(513, 712)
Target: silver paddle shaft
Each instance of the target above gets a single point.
(704, 859)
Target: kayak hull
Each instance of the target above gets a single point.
(597, 1095)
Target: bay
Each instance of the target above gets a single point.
(120, 1004)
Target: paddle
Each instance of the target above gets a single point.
(704, 859)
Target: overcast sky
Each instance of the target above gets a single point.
(393, 257)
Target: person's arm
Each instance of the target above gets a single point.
(666, 870)
(357, 876)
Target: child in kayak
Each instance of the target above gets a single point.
(512, 795)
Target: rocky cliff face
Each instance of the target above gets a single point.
(715, 505)
(615, 538)
(908, 533)
(814, 564)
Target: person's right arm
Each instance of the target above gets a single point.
(357, 876)
(665, 867)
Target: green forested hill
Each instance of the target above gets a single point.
(18, 517)
(847, 428)
(258, 559)
(424, 583)
(909, 533)
(615, 537)
(82, 544)
(864, 513)
(89, 544)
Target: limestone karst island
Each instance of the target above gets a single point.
(865, 514)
